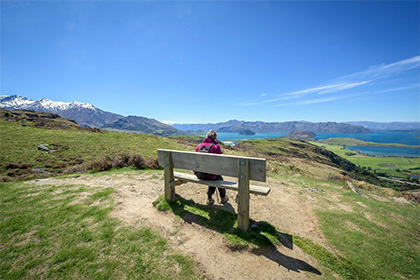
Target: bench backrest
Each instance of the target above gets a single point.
(214, 163)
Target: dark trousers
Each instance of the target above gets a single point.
(211, 190)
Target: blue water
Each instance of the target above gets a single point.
(386, 151)
(407, 138)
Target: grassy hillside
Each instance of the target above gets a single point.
(283, 152)
(75, 150)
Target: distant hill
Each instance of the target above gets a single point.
(88, 115)
(280, 127)
(143, 125)
(409, 126)
(42, 120)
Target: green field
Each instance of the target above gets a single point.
(401, 167)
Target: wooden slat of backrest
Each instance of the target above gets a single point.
(215, 164)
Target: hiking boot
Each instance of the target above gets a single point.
(224, 200)
(210, 201)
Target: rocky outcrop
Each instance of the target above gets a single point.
(247, 132)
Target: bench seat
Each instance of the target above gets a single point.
(259, 190)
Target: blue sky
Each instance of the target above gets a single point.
(212, 61)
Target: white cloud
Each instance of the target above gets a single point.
(367, 77)
(322, 100)
(380, 71)
(416, 85)
(344, 86)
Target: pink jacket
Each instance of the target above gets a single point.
(214, 150)
(207, 141)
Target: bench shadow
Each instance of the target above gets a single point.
(261, 235)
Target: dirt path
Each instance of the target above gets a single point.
(282, 208)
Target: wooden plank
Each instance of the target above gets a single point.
(258, 190)
(243, 193)
(169, 177)
(215, 164)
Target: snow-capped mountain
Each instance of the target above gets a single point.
(22, 103)
(15, 101)
(88, 115)
(83, 113)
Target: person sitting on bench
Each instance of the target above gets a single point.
(210, 145)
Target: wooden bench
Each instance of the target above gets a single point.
(243, 168)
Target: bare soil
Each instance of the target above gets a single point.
(283, 208)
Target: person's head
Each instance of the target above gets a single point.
(211, 134)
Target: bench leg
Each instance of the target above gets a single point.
(169, 178)
(243, 193)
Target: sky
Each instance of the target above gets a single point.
(213, 61)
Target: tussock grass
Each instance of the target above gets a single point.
(55, 233)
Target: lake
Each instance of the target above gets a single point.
(407, 138)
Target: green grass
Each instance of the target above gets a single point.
(380, 239)
(65, 232)
(374, 239)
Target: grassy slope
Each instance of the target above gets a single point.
(375, 238)
(281, 150)
(19, 146)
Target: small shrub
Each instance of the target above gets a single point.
(18, 165)
(152, 163)
(121, 160)
(137, 161)
(100, 165)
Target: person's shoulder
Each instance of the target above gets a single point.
(216, 148)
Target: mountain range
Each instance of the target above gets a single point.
(88, 115)
(404, 126)
(280, 127)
